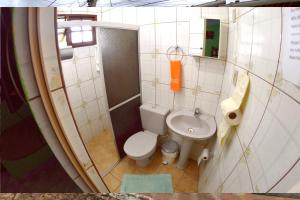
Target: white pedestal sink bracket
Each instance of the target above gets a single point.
(185, 150)
(191, 128)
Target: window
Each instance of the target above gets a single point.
(77, 36)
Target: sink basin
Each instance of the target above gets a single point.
(190, 128)
(185, 124)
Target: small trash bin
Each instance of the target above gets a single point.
(169, 151)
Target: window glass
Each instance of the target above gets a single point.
(76, 28)
(87, 36)
(76, 36)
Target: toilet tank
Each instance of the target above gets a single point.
(154, 118)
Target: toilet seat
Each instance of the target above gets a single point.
(140, 145)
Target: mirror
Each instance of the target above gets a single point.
(208, 38)
(212, 37)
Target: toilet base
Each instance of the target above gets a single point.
(143, 162)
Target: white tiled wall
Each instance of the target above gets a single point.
(84, 83)
(85, 87)
(161, 28)
(58, 95)
(162, 31)
(263, 155)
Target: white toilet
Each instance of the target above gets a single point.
(141, 146)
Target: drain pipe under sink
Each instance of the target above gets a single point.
(203, 156)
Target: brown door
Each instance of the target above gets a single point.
(121, 73)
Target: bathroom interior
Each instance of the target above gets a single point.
(206, 97)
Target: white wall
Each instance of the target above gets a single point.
(161, 28)
(58, 96)
(85, 84)
(263, 155)
(86, 92)
(264, 152)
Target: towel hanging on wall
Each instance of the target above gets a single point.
(175, 75)
(175, 68)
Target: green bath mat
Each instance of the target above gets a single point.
(147, 183)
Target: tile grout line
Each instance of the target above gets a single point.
(280, 46)
(236, 133)
(155, 59)
(230, 173)
(97, 99)
(72, 113)
(83, 105)
(273, 86)
(244, 156)
(282, 178)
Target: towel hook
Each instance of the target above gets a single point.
(176, 48)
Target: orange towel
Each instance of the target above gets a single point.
(175, 75)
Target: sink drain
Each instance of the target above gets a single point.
(190, 130)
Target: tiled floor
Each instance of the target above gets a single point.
(183, 180)
(102, 150)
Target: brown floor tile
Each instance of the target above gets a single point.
(126, 166)
(118, 189)
(183, 180)
(155, 163)
(111, 182)
(186, 184)
(173, 170)
(192, 170)
(103, 151)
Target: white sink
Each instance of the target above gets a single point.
(185, 124)
(191, 128)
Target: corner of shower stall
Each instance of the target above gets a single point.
(100, 94)
(84, 84)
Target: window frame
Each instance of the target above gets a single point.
(70, 17)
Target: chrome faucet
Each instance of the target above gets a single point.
(197, 112)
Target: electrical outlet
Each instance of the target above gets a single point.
(234, 77)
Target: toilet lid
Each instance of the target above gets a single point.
(140, 143)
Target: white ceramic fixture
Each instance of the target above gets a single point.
(191, 128)
(141, 146)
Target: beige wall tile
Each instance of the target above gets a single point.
(266, 134)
